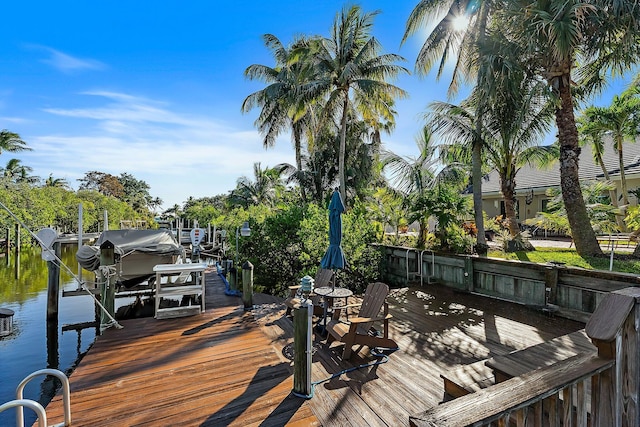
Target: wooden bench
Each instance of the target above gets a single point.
(540, 355)
(467, 379)
(484, 373)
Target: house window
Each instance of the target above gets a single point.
(543, 205)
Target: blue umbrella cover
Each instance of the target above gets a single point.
(334, 257)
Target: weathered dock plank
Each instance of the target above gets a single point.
(213, 369)
(231, 367)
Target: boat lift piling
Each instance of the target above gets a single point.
(108, 274)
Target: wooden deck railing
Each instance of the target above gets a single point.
(585, 390)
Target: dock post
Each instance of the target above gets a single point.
(7, 248)
(17, 253)
(53, 285)
(247, 285)
(302, 349)
(108, 275)
(232, 278)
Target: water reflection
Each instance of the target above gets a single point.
(37, 343)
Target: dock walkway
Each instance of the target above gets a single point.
(213, 369)
(230, 367)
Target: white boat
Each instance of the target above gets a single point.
(136, 253)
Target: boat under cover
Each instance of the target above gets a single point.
(138, 252)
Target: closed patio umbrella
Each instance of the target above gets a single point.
(334, 257)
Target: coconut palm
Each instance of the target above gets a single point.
(11, 142)
(620, 120)
(261, 190)
(284, 105)
(56, 182)
(604, 35)
(415, 176)
(514, 124)
(17, 172)
(353, 73)
(447, 39)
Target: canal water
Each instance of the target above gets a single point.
(36, 344)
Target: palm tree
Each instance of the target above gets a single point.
(415, 176)
(513, 126)
(11, 142)
(56, 182)
(263, 190)
(17, 172)
(446, 39)
(283, 103)
(620, 120)
(590, 132)
(353, 73)
(604, 35)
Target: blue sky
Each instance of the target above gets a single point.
(154, 89)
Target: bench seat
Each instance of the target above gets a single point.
(467, 379)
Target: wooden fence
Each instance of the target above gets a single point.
(570, 292)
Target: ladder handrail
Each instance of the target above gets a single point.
(66, 395)
(37, 408)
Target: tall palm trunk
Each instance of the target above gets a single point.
(343, 148)
(298, 148)
(582, 232)
(476, 149)
(612, 193)
(508, 194)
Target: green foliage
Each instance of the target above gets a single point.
(449, 208)
(601, 213)
(288, 243)
(633, 218)
(57, 207)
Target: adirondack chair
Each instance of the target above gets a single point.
(323, 278)
(358, 330)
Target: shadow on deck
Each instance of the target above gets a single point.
(231, 367)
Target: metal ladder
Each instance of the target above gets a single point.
(20, 403)
(420, 273)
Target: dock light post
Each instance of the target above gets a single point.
(245, 231)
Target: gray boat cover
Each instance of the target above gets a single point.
(159, 242)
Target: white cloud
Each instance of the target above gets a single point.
(66, 63)
(177, 154)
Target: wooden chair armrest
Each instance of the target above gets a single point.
(358, 304)
(369, 319)
(295, 287)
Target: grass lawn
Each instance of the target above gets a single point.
(622, 262)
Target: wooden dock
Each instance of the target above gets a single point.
(231, 367)
(213, 369)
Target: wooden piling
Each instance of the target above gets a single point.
(301, 374)
(247, 285)
(17, 253)
(53, 285)
(108, 281)
(7, 248)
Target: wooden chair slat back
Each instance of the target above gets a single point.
(372, 301)
(323, 278)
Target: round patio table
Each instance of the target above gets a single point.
(329, 293)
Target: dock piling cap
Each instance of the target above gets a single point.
(5, 312)
(6, 321)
